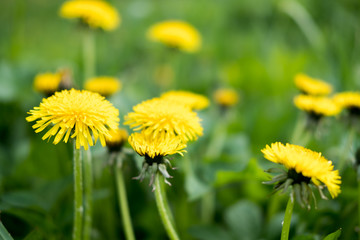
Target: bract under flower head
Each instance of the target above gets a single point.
(153, 147)
(47, 83)
(312, 86)
(309, 164)
(193, 100)
(78, 113)
(95, 13)
(226, 97)
(177, 34)
(164, 117)
(348, 100)
(321, 106)
(105, 86)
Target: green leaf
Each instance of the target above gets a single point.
(4, 234)
(244, 219)
(334, 235)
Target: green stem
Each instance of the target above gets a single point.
(122, 200)
(88, 54)
(287, 219)
(88, 183)
(78, 195)
(164, 210)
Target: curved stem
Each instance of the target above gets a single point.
(88, 182)
(88, 54)
(78, 195)
(287, 219)
(123, 203)
(164, 210)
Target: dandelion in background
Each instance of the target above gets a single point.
(94, 13)
(164, 117)
(76, 114)
(176, 34)
(304, 168)
(312, 86)
(192, 100)
(105, 86)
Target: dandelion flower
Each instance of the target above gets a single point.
(155, 149)
(47, 83)
(95, 13)
(105, 86)
(177, 34)
(226, 97)
(312, 86)
(116, 139)
(76, 113)
(315, 105)
(304, 166)
(193, 100)
(348, 100)
(164, 117)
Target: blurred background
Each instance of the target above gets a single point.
(253, 46)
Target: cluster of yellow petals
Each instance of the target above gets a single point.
(159, 146)
(226, 97)
(96, 13)
(47, 82)
(312, 86)
(192, 100)
(76, 113)
(348, 99)
(116, 137)
(318, 105)
(105, 86)
(177, 34)
(309, 163)
(164, 117)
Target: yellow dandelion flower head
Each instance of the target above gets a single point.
(226, 97)
(116, 138)
(150, 146)
(348, 99)
(105, 86)
(193, 100)
(95, 13)
(77, 113)
(309, 163)
(312, 86)
(47, 82)
(175, 33)
(317, 105)
(164, 117)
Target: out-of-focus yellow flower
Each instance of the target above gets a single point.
(95, 13)
(193, 100)
(78, 113)
(312, 86)
(348, 100)
(226, 97)
(321, 106)
(116, 139)
(164, 117)
(47, 83)
(153, 147)
(304, 165)
(177, 34)
(106, 86)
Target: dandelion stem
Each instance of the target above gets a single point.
(88, 54)
(164, 210)
(122, 200)
(88, 182)
(287, 219)
(78, 195)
